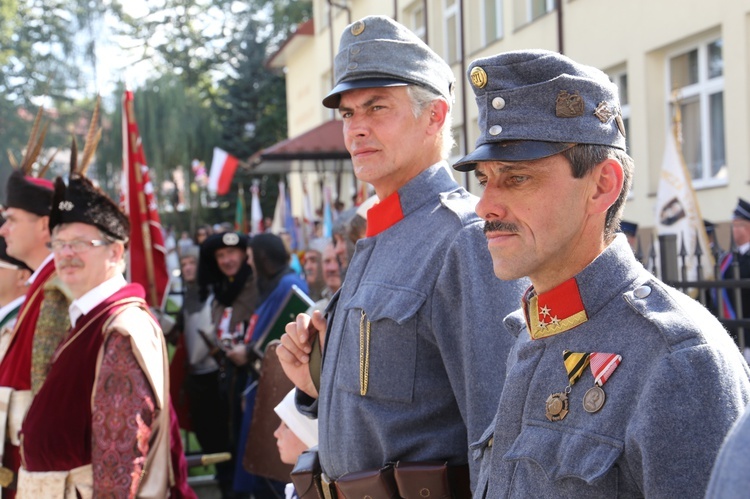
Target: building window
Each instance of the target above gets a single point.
(620, 78)
(537, 8)
(492, 26)
(696, 85)
(418, 21)
(451, 23)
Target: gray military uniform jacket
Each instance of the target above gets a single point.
(437, 349)
(680, 386)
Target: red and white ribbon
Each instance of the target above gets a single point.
(603, 365)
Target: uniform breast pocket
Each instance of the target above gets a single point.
(380, 342)
(571, 462)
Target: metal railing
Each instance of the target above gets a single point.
(670, 264)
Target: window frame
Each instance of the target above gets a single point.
(549, 7)
(448, 13)
(498, 21)
(703, 89)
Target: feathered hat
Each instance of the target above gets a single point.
(24, 190)
(81, 201)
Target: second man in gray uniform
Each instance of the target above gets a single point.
(414, 347)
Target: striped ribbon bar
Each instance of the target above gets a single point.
(603, 365)
(575, 364)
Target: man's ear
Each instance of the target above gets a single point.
(607, 178)
(438, 111)
(117, 250)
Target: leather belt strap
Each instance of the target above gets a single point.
(458, 481)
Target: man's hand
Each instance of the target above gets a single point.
(295, 348)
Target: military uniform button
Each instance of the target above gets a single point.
(355, 50)
(358, 28)
(496, 130)
(352, 65)
(425, 492)
(642, 292)
(498, 103)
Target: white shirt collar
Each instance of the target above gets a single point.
(33, 275)
(86, 303)
(744, 248)
(6, 309)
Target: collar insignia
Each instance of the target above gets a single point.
(555, 311)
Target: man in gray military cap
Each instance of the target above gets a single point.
(413, 356)
(618, 386)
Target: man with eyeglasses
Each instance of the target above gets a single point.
(42, 320)
(13, 276)
(110, 373)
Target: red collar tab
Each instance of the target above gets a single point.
(384, 215)
(555, 311)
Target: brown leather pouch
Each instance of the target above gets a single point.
(306, 476)
(374, 484)
(423, 479)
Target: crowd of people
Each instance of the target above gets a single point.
(502, 346)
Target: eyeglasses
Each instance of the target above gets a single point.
(76, 246)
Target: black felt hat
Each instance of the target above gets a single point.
(29, 193)
(81, 201)
(25, 189)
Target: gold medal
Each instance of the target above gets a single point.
(556, 407)
(594, 399)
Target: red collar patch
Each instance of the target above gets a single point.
(384, 215)
(555, 311)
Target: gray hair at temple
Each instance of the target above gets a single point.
(421, 98)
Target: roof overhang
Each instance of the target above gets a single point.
(279, 59)
(319, 149)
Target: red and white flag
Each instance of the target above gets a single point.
(147, 263)
(223, 167)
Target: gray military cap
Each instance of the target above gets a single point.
(376, 51)
(535, 103)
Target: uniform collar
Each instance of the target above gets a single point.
(555, 311)
(412, 196)
(578, 299)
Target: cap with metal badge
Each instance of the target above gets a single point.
(376, 51)
(536, 103)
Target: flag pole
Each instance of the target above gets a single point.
(677, 133)
(145, 229)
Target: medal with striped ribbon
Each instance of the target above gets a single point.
(556, 406)
(602, 367)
